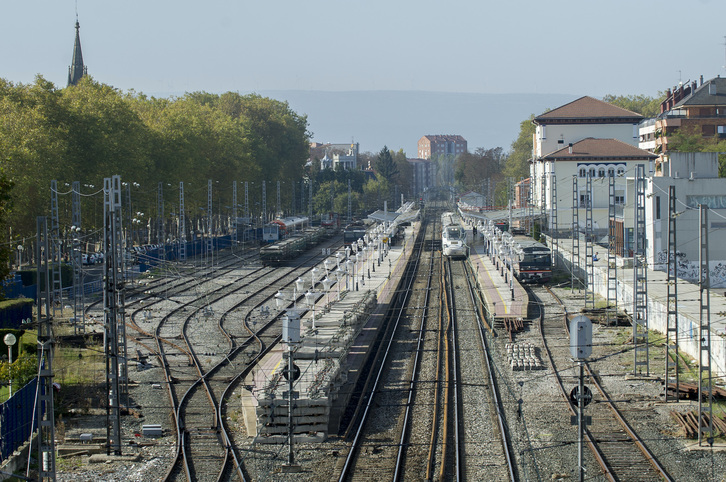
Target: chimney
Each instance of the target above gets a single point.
(570, 148)
(701, 80)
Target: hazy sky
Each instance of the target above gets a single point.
(581, 47)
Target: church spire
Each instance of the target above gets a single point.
(77, 69)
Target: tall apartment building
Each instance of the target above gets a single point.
(441, 145)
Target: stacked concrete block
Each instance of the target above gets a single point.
(523, 356)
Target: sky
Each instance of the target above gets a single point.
(577, 47)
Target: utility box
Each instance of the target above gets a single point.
(152, 430)
(580, 337)
(291, 327)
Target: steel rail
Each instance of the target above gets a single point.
(405, 432)
(355, 445)
(501, 418)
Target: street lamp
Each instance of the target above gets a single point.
(310, 300)
(339, 273)
(350, 271)
(327, 284)
(20, 255)
(10, 340)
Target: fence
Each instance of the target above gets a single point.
(16, 419)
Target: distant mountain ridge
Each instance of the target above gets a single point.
(398, 119)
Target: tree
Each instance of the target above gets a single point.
(385, 166)
(517, 163)
(640, 104)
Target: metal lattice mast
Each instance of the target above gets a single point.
(705, 382)
(114, 333)
(210, 241)
(350, 204)
(44, 394)
(79, 324)
(553, 207)
(247, 202)
(575, 233)
(234, 212)
(182, 225)
(612, 280)
(640, 278)
(671, 355)
(302, 196)
(293, 200)
(589, 267)
(530, 208)
(278, 212)
(160, 214)
(264, 202)
(543, 200)
(56, 256)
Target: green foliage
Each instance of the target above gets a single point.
(640, 104)
(385, 166)
(91, 131)
(517, 164)
(690, 139)
(473, 169)
(22, 370)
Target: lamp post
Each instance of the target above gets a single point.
(299, 288)
(10, 340)
(310, 300)
(20, 255)
(339, 273)
(327, 284)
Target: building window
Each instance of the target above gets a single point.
(592, 172)
(601, 172)
(611, 172)
(657, 207)
(583, 172)
(621, 171)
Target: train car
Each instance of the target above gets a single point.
(353, 232)
(330, 220)
(532, 261)
(291, 247)
(453, 236)
(283, 227)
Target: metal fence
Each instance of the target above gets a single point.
(16, 419)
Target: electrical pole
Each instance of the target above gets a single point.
(705, 382)
(56, 256)
(115, 332)
(182, 225)
(640, 278)
(589, 260)
(44, 394)
(671, 343)
(79, 323)
(575, 271)
(612, 309)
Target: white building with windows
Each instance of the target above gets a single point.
(586, 136)
(568, 169)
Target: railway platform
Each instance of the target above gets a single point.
(330, 356)
(507, 301)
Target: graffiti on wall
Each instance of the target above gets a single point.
(688, 270)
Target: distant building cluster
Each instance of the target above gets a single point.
(335, 156)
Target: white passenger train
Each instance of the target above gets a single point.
(453, 236)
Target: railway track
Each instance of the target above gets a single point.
(481, 446)
(438, 396)
(617, 449)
